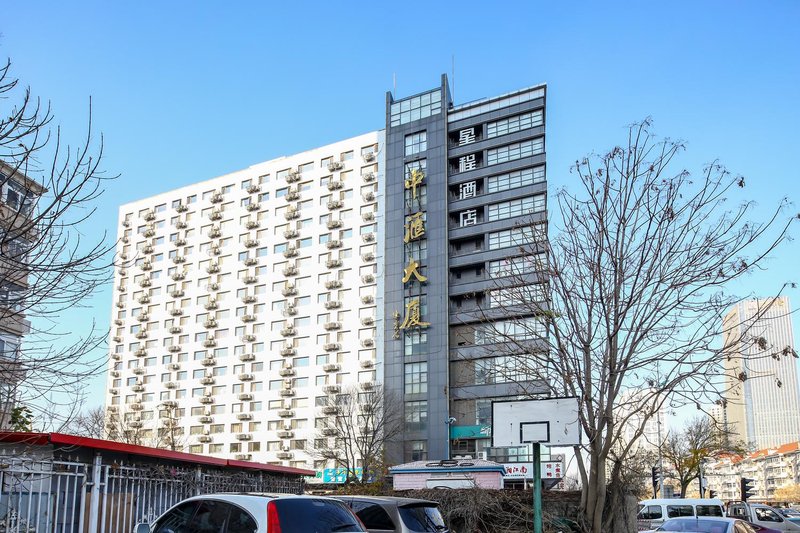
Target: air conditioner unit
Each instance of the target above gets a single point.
(482, 455)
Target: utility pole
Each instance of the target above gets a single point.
(660, 457)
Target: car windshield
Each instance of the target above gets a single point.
(695, 525)
(315, 515)
(422, 518)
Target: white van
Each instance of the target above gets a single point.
(653, 513)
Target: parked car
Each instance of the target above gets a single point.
(653, 513)
(386, 514)
(256, 513)
(762, 515)
(709, 525)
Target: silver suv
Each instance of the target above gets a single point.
(387, 514)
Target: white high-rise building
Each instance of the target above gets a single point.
(245, 300)
(763, 410)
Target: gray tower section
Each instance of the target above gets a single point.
(406, 117)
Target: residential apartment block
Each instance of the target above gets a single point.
(762, 411)
(241, 302)
(769, 468)
(18, 196)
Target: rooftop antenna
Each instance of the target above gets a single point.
(453, 67)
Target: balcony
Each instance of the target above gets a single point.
(285, 413)
(290, 233)
(333, 263)
(334, 224)
(332, 304)
(244, 416)
(247, 357)
(331, 346)
(331, 367)
(332, 326)
(332, 389)
(287, 393)
(286, 434)
(246, 377)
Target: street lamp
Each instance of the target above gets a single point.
(447, 423)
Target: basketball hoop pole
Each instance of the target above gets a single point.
(537, 487)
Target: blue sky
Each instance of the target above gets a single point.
(185, 91)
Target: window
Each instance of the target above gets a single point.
(517, 236)
(518, 207)
(416, 416)
(512, 124)
(518, 178)
(650, 512)
(416, 107)
(674, 511)
(416, 378)
(373, 516)
(517, 265)
(515, 151)
(416, 143)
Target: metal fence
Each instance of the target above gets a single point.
(38, 496)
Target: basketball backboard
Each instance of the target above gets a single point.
(552, 421)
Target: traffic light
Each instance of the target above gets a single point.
(747, 488)
(656, 476)
(712, 494)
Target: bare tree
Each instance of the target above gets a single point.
(91, 423)
(685, 451)
(48, 265)
(358, 425)
(627, 297)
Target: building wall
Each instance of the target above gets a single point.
(247, 299)
(764, 410)
(770, 469)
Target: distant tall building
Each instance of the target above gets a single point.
(655, 428)
(762, 410)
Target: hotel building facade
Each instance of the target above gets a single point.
(242, 303)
